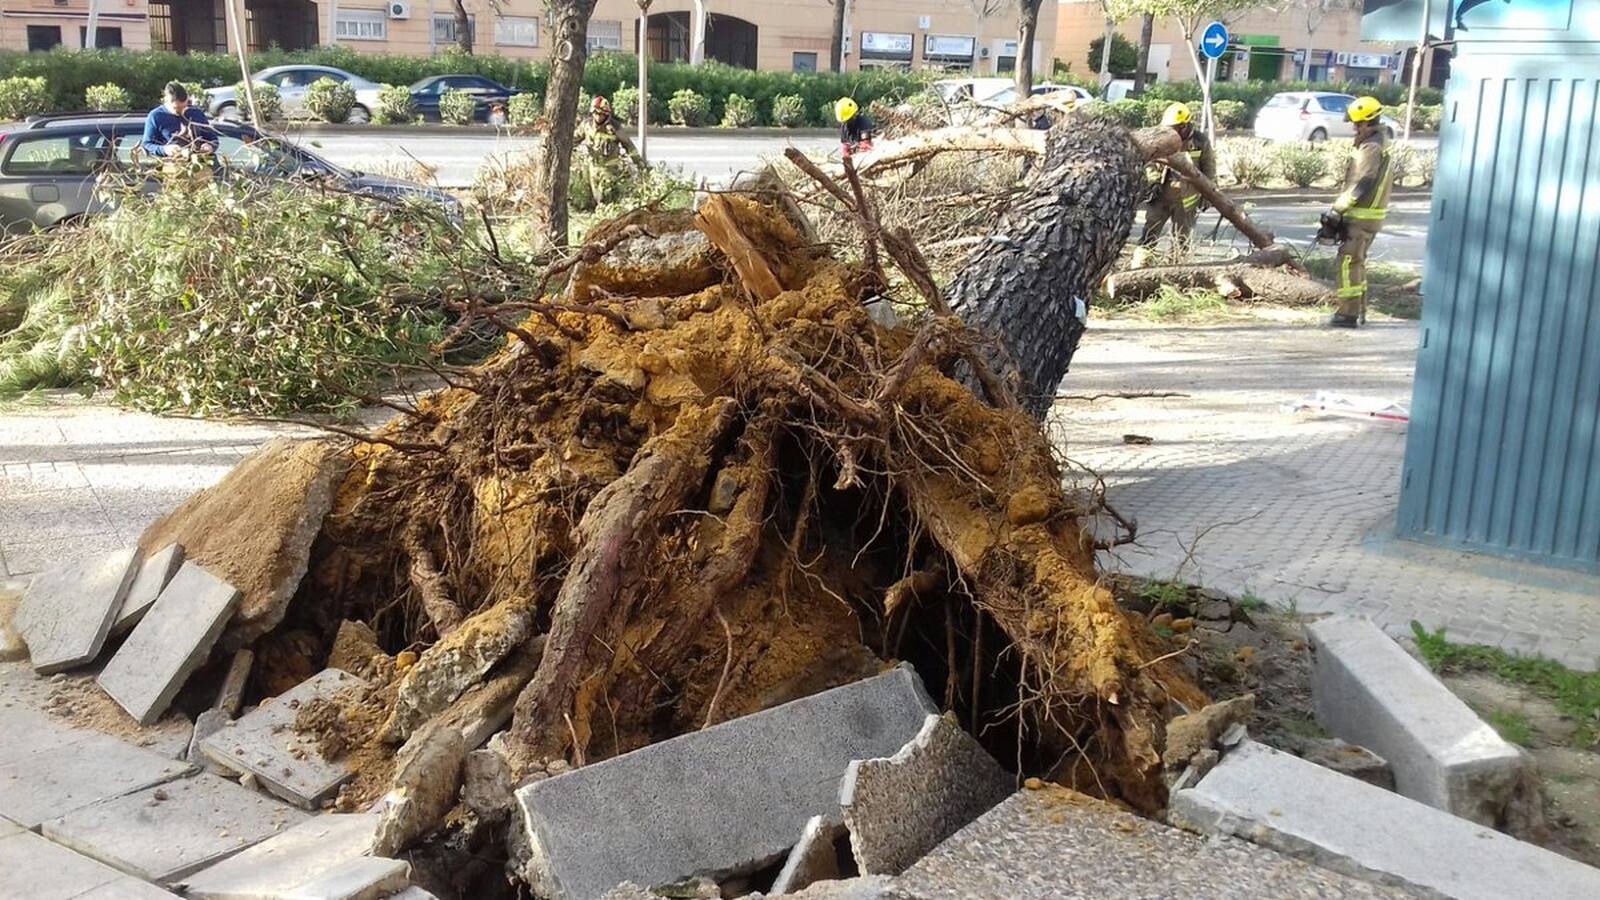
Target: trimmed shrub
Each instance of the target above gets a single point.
(1302, 165)
(1253, 94)
(267, 98)
(1248, 162)
(625, 104)
(789, 110)
(1130, 113)
(1231, 114)
(689, 107)
(395, 106)
(1426, 118)
(456, 107)
(329, 100)
(1414, 166)
(22, 97)
(105, 97)
(524, 110)
(198, 94)
(739, 112)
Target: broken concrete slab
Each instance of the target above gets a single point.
(154, 572)
(206, 724)
(230, 697)
(277, 865)
(426, 779)
(169, 644)
(127, 888)
(263, 742)
(66, 613)
(1304, 810)
(457, 663)
(1054, 842)
(254, 528)
(815, 857)
(28, 732)
(32, 867)
(861, 887)
(487, 784)
(1370, 692)
(723, 799)
(899, 808)
(165, 832)
(1348, 759)
(357, 878)
(88, 768)
(8, 828)
(414, 893)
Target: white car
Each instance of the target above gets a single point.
(1309, 116)
(975, 90)
(292, 82)
(1077, 93)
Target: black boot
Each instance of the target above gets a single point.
(1340, 320)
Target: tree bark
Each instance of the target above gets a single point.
(1105, 52)
(836, 47)
(1147, 30)
(561, 111)
(463, 27)
(1027, 30)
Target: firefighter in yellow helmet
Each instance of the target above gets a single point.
(610, 157)
(855, 129)
(1172, 199)
(1357, 214)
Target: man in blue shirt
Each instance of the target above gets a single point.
(175, 129)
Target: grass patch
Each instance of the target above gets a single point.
(1513, 726)
(1251, 603)
(1379, 274)
(1165, 594)
(1171, 304)
(1575, 694)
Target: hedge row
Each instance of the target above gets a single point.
(69, 73)
(1254, 94)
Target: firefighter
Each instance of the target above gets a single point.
(1173, 199)
(609, 153)
(1357, 214)
(855, 129)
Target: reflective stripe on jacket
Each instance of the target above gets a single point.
(1366, 192)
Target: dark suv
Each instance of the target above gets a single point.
(49, 165)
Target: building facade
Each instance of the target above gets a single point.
(975, 36)
(1267, 45)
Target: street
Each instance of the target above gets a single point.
(1403, 240)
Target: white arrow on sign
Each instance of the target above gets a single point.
(1214, 40)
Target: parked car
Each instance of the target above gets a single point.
(1079, 94)
(1117, 89)
(292, 82)
(1309, 116)
(974, 90)
(486, 93)
(49, 166)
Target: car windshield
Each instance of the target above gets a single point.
(1335, 103)
(1284, 100)
(429, 85)
(271, 156)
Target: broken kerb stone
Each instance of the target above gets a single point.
(360, 878)
(901, 807)
(1370, 691)
(814, 858)
(265, 743)
(153, 575)
(278, 865)
(67, 613)
(165, 832)
(1304, 810)
(172, 641)
(726, 799)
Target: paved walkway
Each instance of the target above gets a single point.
(1238, 495)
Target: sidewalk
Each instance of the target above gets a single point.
(1297, 509)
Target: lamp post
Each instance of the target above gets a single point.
(644, 75)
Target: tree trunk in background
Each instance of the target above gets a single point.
(836, 48)
(1030, 292)
(561, 110)
(463, 27)
(1105, 52)
(1147, 30)
(1027, 30)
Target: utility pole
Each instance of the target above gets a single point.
(644, 76)
(1416, 67)
(92, 33)
(697, 33)
(234, 11)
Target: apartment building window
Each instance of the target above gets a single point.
(604, 35)
(444, 28)
(805, 62)
(516, 31)
(104, 38)
(362, 25)
(44, 37)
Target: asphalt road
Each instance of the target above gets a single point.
(716, 157)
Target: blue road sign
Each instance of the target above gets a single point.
(1214, 40)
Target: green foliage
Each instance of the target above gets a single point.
(106, 97)
(1130, 112)
(41, 345)
(235, 295)
(1415, 166)
(625, 104)
(267, 98)
(1176, 304)
(1253, 94)
(789, 110)
(395, 106)
(23, 97)
(456, 107)
(198, 95)
(1576, 694)
(739, 112)
(524, 110)
(1165, 594)
(1302, 165)
(329, 100)
(690, 108)
(1427, 117)
(1514, 726)
(1124, 55)
(1246, 162)
(1250, 603)
(1231, 114)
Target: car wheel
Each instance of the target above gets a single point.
(229, 112)
(359, 115)
(1388, 132)
(1318, 135)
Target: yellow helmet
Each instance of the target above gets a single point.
(1364, 109)
(1176, 114)
(845, 109)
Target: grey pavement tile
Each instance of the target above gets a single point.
(22, 479)
(52, 514)
(96, 767)
(31, 556)
(36, 869)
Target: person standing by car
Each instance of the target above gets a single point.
(176, 130)
(1172, 198)
(1358, 212)
(855, 129)
(608, 151)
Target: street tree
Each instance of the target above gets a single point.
(1317, 12)
(1147, 32)
(1191, 17)
(567, 59)
(1027, 32)
(1107, 44)
(981, 10)
(463, 27)
(1122, 57)
(836, 46)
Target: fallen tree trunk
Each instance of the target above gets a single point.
(1266, 274)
